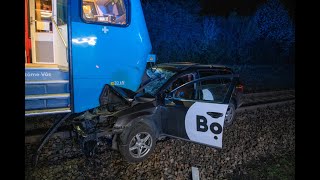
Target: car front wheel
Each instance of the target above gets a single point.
(139, 145)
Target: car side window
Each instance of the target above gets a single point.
(187, 92)
(214, 90)
(184, 92)
(210, 72)
(181, 80)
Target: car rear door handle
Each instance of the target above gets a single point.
(215, 114)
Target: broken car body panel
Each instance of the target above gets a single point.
(192, 120)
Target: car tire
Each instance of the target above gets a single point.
(230, 114)
(139, 144)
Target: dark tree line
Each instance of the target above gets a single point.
(223, 7)
(184, 31)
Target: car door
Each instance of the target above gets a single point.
(200, 117)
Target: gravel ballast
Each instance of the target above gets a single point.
(263, 132)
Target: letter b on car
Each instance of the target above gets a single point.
(202, 123)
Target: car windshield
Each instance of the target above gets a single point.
(159, 77)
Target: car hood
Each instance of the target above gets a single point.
(115, 95)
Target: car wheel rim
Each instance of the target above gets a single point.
(229, 115)
(140, 145)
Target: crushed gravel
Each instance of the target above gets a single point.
(254, 134)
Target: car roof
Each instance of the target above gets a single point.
(182, 66)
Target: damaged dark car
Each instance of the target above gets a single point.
(189, 101)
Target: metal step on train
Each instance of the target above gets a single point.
(46, 90)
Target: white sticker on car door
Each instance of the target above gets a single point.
(204, 123)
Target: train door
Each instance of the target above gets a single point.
(40, 12)
(48, 37)
(47, 71)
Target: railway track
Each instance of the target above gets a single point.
(263, 99)
(33, 133)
